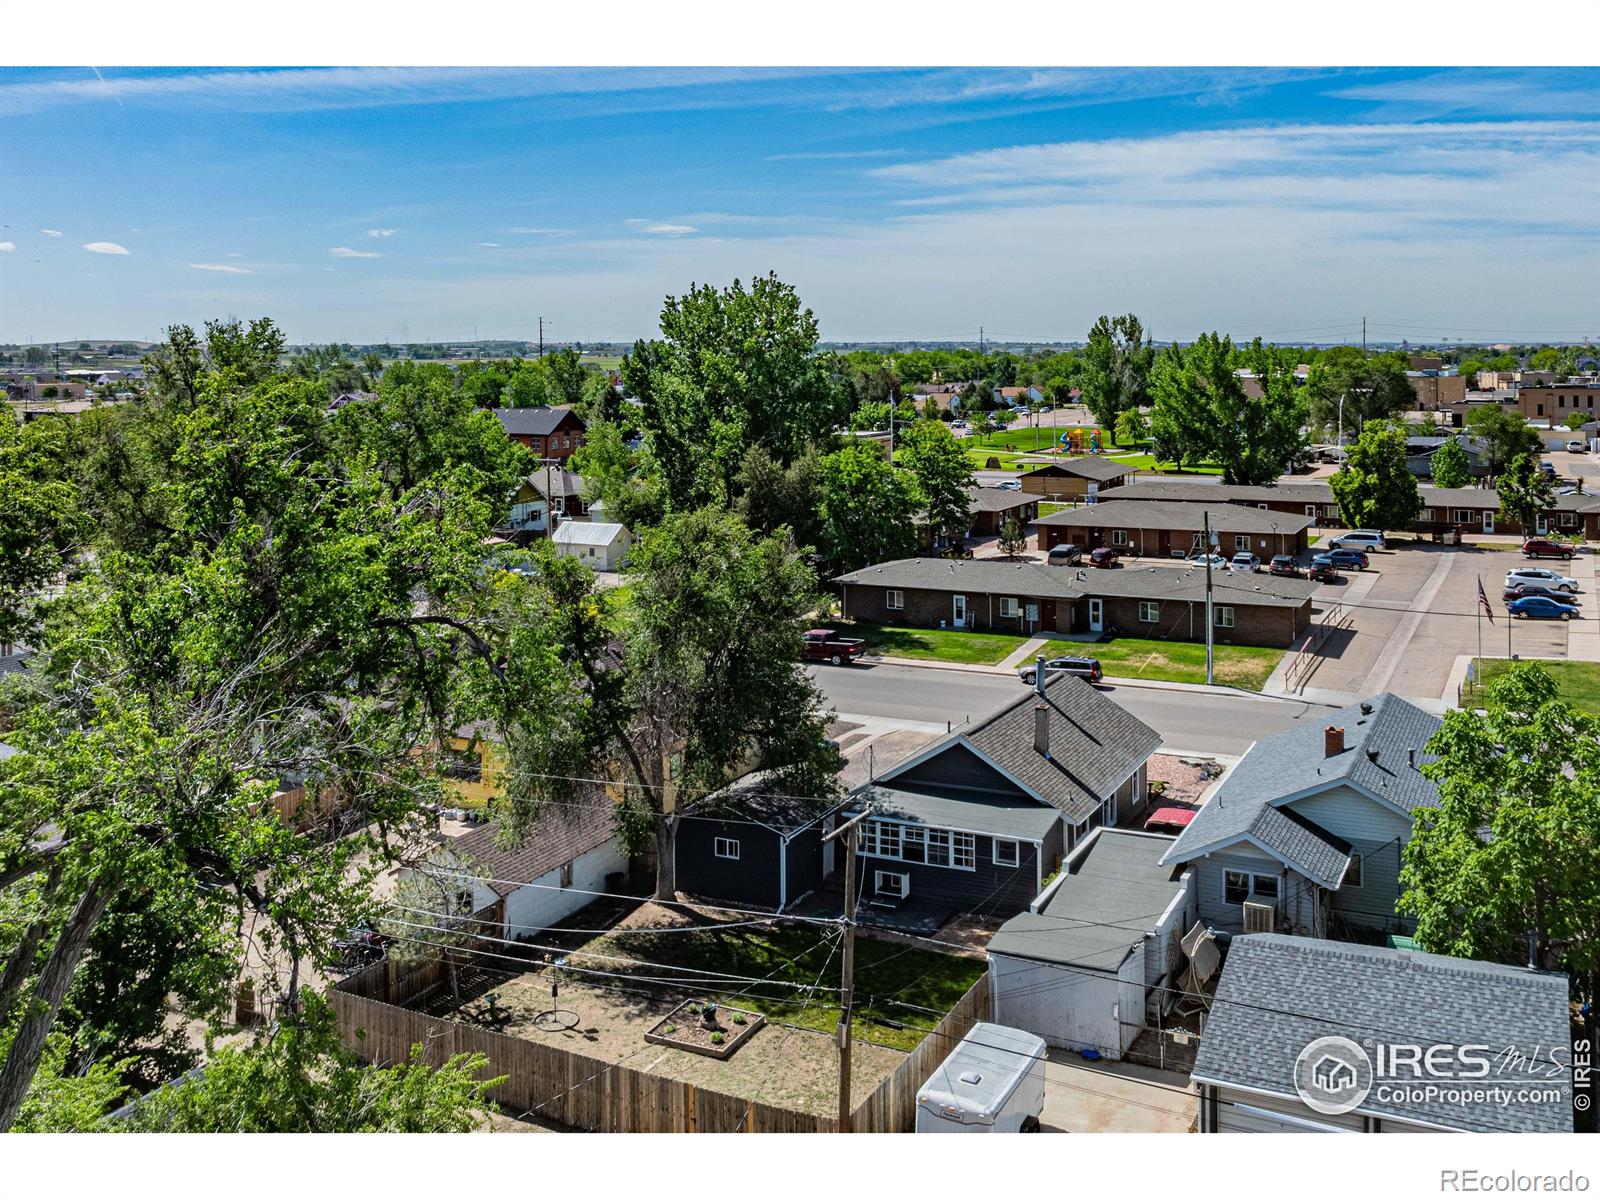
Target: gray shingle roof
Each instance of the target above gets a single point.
(1114, 893)
(1095, 745)
(1087, 468)
(1320, 856)
(532, 422)
(1293, 763)
(1024, 820)
(991, 499)
(1279, 993)
(1171, 514)
(1192, 490)
(561, 833)
(562, 482)
(993, 576)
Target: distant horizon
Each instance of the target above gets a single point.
(451, 205)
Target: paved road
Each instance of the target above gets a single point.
(1191, 721)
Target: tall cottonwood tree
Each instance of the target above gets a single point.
(1115, 365)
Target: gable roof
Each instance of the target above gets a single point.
(1278, 993)
(1168, 514)
(1025, 820)
(588, 533)
(533, 422)
(1230, 493)
(1376, 760)
(1088, 467)
(561, 833)
(1095, 745)
(562, 482)
(1113, 891)
(993, 499)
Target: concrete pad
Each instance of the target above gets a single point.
(1108, 1097)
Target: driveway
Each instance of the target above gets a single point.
(1108, 1097)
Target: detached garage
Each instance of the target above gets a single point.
(1079, 967)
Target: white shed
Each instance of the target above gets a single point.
(603, 545)
(1079, 968)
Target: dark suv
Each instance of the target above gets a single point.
(1083, 668)
(1283, 564)
(1348, 558)
(1065, 555)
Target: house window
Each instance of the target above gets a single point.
(1265, 886)
(1149, 612)
(1009, 607)
(867, 839)
(938, 847)
(1567, 520)
(725, 848)
(1352, 873)
(1119, 537)
(566, 871)
(1224, 617)
(1006, 853)
(894, 600)
(1241, 541)
(912, 845)
(964, 851)
(463, 901)
(536, 443)
(1311, 510)
(1463, 516)
(888, 841)
(1235, 887)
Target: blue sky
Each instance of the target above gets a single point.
(425, 204)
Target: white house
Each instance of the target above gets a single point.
(602, 545)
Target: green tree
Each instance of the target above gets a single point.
(943, 474)
(40, 523)
(1115, 367)
(1133, 427)
(773, 496)
(1373, 388)
(1374, 487)
(1450, 466)
(1013, 537)
(1525, 492)
(625, 482)
(1578, 420)
(733, 368)
(868, 508)
(1506, 434)
(1201, 410)
(1506, 865)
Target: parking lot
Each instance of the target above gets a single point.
(1414, 611)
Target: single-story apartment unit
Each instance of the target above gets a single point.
(1076, 477)
(993, 507)
(1313, 500)
(555, 870)
(553, 431)
(1171, 529)
(1477, 510)
(1082, 965)
(751, 847)
(1017, 597)
(1486, 1033)
(978, 820)
(602, 545)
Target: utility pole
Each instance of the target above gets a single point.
(541, 337)
(1210, 550)
(980, 339)
(1363, 336)
(847, 832)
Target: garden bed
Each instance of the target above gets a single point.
(684, 1028)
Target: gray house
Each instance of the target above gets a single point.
(1278, 995)
(976, 821)
(1305, 834)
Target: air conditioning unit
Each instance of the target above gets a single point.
(1260, 918)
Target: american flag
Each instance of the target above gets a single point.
(1483, 601)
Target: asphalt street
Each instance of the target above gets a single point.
(1187, 720)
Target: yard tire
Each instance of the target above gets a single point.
(837, 659)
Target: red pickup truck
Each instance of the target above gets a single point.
(824, 645)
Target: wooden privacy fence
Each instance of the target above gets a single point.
(589, 1093)
(892, 1107)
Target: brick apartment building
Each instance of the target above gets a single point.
(1076, 477)
(1555, 402)
(1165, 529)
(1314, 500)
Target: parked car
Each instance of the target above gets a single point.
(1245, 563)
(1083, 668)
(1010, 485)
(1539, 547)
(1283, 564)
(1218, 563)
(1542, 607)
(1576, 446)
(1540, 575)
(1359, 539)
(1548, 467)
(824, 645)
(1105, 556)
(1349, 557)
(1538, 589)
(1324, 569)
(1065, 555)
(958, 424)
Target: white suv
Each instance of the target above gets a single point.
(1540, 575)
(1359, 539)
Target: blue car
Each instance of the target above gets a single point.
(1541, 606)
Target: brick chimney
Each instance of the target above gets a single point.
(1332, 741)
(1041, 729)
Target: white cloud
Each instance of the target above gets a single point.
(224, 268)
(488, 245)
(233, 254)
(659, 228)
(539, 230)
(105, 248)
(51, 232)
(381, 233)
(7, 247)
(347, 252)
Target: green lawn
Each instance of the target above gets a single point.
(885, 972)
(1245, 667)
(1049, 508)
(1145, 462)
(1025, 437)
(1579, 682)
(941, 645)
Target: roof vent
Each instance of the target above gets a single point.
(1366, 708)
(1411, 757)
(1372, 754)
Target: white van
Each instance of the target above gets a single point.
(1359, 539)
